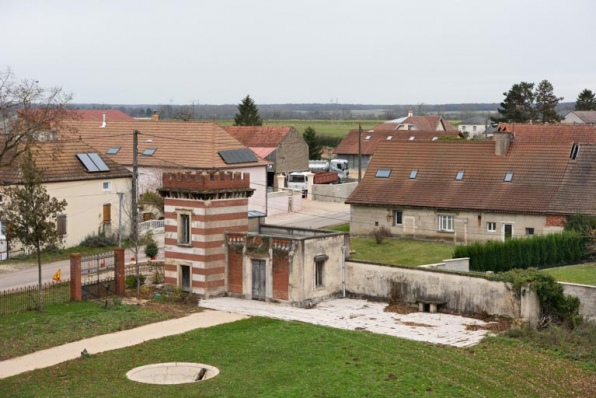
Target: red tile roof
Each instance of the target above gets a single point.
(545, 179)
(190, 145)
(59, 163)
(259, 136)
(262, 152)
(349, 145)
(97, 115)
(550, 133)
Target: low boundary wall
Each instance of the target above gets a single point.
(333, 192)
(586, 295)
(463, 293)
(284, 201)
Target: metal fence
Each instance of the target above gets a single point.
(26, 298)
(97, 276)
(154, 270)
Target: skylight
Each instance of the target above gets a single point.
(412, 138)
(389, 138)
(149, 151)
(113, 150)
(383, 173)
(413, 174)
(92, 162)
(460, 175)
(509, 176)
(367, 137)
(435, 138)
(574, 151)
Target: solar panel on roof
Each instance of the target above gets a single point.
(87, 162)
(98, 162)
(233, 156)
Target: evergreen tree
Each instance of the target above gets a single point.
(314, 144)
(517, 107)
(586, 101)
(546, 101)
(248, 114)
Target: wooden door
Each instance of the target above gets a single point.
(258, 279)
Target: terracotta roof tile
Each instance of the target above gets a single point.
(97, 115)
(545, 179)
(259, 136)
(551, 133)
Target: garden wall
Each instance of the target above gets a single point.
(586, 295)
(462, 293)
(333, 192)
(284, 201)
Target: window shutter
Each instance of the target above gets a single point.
(107, 212)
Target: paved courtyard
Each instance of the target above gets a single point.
(363, 315)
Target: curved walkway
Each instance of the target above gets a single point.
(114, 341)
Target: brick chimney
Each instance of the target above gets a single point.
(155, 116)
(410, 112)
(502, 142)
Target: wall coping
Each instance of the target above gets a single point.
(441, 271)
(577, 284)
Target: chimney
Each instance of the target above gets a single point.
(410, 112)
(502, 142)
(103, 123)
(155, 116)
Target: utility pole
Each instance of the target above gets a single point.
(120, 195)
(359, 152)
(135, 205)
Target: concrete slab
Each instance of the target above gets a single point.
(113, 341)
(364, 316)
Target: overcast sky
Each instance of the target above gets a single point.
(368, 52)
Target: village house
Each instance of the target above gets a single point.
(89, 181)
(165, 146)
(281, 145)
(474, 126)
(580, 117)
(412, 122)
(463, 191)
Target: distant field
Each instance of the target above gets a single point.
(329, 128)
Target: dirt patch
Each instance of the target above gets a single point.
(497, 326)
(158, 300)
(416, 324)
(400, 308)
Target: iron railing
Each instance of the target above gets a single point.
(26, 298)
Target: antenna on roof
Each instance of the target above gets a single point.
(103, 123)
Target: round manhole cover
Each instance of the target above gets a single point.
(172, 373)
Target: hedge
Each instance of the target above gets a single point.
(537, 251)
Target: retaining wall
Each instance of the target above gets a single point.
(587, 296)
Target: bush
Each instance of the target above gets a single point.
(131, 281)
(537, 251)
(381, 233)
(151, 250)
(99, 241)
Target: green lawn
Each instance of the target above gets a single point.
(400, 251)
(329, 128)
(260, 357)
(584, 274)
(27, 332)
(339, 228)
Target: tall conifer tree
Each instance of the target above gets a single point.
(248, 114)
(586, 101)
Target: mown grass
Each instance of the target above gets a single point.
(260, 357)
(328, 128)
(27, 298)
(339, 228)
(584, 274)
(400, 251)
(28, 332)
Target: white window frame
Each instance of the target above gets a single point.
(488, 226)
(446, 223)
(103, 186)
(395, 213)
(180, 226)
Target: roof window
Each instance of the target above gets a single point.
(412, 138)
(460, 175)
(435, 138)
(389, 138)
(413, 174)
(113, 150)
(383, 173)
(149, 151)
(509, 176)
(574, 151)
(367, 138)
(92, 162)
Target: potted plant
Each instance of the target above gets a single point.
(151, 250)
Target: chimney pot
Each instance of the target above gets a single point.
(410, 112)
(155, 116)
(103, 123)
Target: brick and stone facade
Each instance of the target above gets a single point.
(212, 203)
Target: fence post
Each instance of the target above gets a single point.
(119, 270)
(75, 278)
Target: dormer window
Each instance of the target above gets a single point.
(413, 174)
(460, 175)
(509, 176)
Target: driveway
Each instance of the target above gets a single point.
(366, 316)
(313, 215)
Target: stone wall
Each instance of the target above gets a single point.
(333, 192)
(587, 296)
(283, 202)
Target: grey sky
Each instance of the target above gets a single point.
(370, 52)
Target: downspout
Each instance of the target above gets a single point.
(343, 270)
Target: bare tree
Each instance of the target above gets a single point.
(28, 114)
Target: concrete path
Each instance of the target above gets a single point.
(363, 315)
(114, 341)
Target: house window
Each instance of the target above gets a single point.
(473, 128)
(389, 138)
(509, 176)
(383, 173)
(491, 226)
(147, 216)
(319, 265)
(367, 138)
(107, 213)
(113, 150)
(397, 217)
(529, 231)
(61, 224)
(184, 229)
(413, 174)
(446, 223)
(412, 138)
(149, 151)
(463, 128)
(107, 186)
(460, 175)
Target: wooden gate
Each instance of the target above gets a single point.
(258, 279)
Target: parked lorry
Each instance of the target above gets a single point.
(325, 172)
(339, 166)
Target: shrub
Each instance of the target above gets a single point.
(151, 249)
(381, 233)
(131, 281)
(99, 241)
(537, 251)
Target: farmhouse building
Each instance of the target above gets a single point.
(580, 117)
(474, 126)
(281, 145)
(464, 191)
(412, 122)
